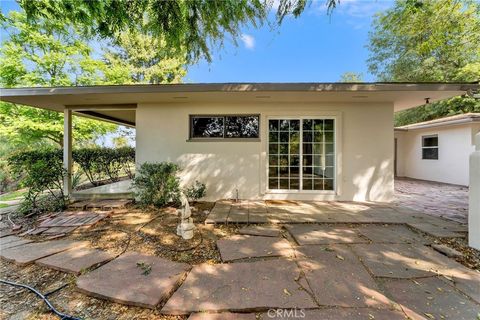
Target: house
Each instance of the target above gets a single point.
(304, 141)
(437, 150)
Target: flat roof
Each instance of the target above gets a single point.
(446, 121)
(117, 103)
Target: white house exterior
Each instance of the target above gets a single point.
(306, 141)
(449, 141)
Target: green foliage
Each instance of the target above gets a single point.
(196, 191)
(100, 163)
(431, 40)
(157, 184)
(141, 58)
(431, 111)
(351, 77)
(193, 25)
(42, 172)
(43, 52)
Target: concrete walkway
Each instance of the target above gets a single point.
(433, 198)
(278, 212)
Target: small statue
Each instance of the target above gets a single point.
(185, 227)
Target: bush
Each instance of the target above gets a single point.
(157, 184)
(101, 163)
(43, 173)
(89, 160)
(196, 191)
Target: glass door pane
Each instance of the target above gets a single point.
(318, 154)
(301, 154)
(284, 154)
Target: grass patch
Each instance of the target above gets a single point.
(13, 195)
(3, 205)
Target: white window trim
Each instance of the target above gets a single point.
(435, 147)
(337, 116)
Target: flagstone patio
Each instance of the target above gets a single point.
(347, 261)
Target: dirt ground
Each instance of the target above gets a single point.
(150, 232)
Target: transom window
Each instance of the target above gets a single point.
(301, 154)
(430, 147)
(224, 126)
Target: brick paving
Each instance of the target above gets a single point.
(433, 198)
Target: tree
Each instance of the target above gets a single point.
(44, 53)
(137, 57)
(351, 77)
(430, 40)
(194, 25)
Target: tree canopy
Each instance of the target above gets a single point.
(193, 25)
(428, 41)
(351, 77)
(44, 54)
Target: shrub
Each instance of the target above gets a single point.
(89, 160)
(196, 191)
(101, 163)
(157, 184)
(43, 175)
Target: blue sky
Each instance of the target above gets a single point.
(312, 48)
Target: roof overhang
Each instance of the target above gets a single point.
(117, 103)
(460, 119)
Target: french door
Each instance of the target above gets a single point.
(301, 154)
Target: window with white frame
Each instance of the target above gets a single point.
(430, 147)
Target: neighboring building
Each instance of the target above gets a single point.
(437, 150)
(305, 141)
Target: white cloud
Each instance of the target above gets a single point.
(248, 41)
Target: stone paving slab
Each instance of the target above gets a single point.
(435, 230)
(465, 280)
(337, 278)
(12, 241)
(245, 287)
(403, 260)
(390, 234)
(222, 316)
(323, 234)
(266, 231)
(334, 314)
(431, 298)
(28, 253)
(6, 233)
(115, 203)
(134, 279)
(243, 246)
(75, 260)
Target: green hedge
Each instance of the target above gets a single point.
(105, 163)
(97, 164)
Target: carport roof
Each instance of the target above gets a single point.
(117, 103)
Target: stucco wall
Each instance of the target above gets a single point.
(455, 145)
(364, 149)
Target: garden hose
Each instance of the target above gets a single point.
(43, 297)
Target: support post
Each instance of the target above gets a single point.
(67, 152)
(474, 197)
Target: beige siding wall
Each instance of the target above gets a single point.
(455, 145)
(364, 149)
